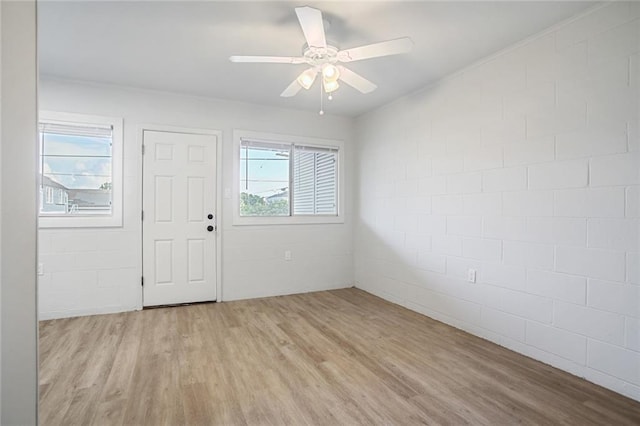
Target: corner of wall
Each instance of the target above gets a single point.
(18, 320)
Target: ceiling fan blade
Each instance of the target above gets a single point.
(384, 48)
(356, 80)
(312, 26)
(291, 89)
(268, 59)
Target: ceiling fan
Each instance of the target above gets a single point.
(324, 58)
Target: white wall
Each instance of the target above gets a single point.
(18, 341)
(524, 168)
(90, 271)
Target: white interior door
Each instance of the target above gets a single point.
(179, 218)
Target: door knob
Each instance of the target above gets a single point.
(210, 228)
(209, 216)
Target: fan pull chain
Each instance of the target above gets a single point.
(321, 99)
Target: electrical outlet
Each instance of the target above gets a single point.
(471, 275)
(287, 255)
(40, 268)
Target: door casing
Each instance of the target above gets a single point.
(218, 202)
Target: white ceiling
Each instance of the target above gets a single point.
(184, 46)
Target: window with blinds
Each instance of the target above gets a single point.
(287, 179)
(315, 178)
(76, 168)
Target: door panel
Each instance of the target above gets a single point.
(179, 192)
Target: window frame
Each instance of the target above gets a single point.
(115, 218)
(292, 219)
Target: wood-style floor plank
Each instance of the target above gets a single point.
(334, 357)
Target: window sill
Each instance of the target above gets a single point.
(79, 221)
(286, 220)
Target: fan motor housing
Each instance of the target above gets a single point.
(320, 55)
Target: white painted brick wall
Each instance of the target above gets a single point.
(601, 325)
(620, 169)
(483, 158)
(432, 261)
(633, 267)
(521, 304)
(432, 224)
(482, 249)
(447, 205)
(559, 230)
(632, 334)
(535, 162)
(464, 183)
(417, 241)
(614, 360)
(432, 185)
(510, 228)
(615, 234)
(632, 208)
(559, 174)
(470, 226)
(502, 323)
(504, 275)
(530, 152)
(592, 202)
(527, 203)
(482, 204)
(447, 164)
(589, 142)
(446, 244)
(566, 344)
(508, 179)
(596, 263)
(615, 297)
(569, 288)
(532, 255)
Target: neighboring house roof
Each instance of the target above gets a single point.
(279, 196)
(90, 197)
(47, 181)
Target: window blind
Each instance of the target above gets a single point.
(267, 146)
(72, 129)
(315, 180)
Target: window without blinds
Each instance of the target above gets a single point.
(264, 179)
(76, 163)
(315, 177)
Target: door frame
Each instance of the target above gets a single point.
(141, 128)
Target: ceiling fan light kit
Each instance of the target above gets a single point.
(330, 86)
(330, 73)
(307, 78)
(323, 58)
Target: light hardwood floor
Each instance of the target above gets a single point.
(327, 358)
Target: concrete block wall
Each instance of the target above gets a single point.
(524, 168)
(90, 271)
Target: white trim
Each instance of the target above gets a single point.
(238, 135)
(194, 131)
(92, 221)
